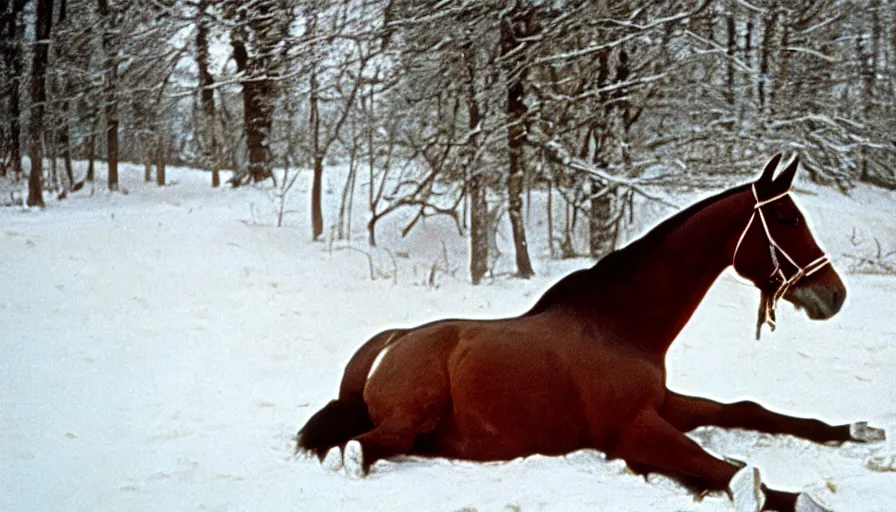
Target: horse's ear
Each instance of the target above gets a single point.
(769, 171)
(784, 180)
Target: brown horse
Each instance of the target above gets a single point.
(585, 367)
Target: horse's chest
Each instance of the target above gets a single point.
(616, 385)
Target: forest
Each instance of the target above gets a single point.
(455, 108)
(208, 206)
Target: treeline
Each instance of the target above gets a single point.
(452, 107)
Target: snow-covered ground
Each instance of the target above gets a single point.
(161, 348)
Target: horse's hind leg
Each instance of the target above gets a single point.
(392, 437)
(406, 397)
(687, 413)
(650, 442)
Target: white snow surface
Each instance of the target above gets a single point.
(161, 348)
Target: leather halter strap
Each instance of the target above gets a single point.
(770, 303)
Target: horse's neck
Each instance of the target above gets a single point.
(653, 298)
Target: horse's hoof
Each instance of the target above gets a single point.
(333, 459)
(882, 464)
(860, 431)
(299, 449)
(808, 503)
(353, 459)
(746, 490)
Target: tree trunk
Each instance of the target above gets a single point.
(477, 187)
(317, 221)
(516, 136)
(891, 88)
(6, 50)
(13, 31)
(147, 154)
(605, 135)
(784, 65)
(344, 219)
(766, 88)
(51, 147)
(348, 215)
(258, 110)
(42, 25)
(91, 154)
(65, 142)
(207, 96)
(63, 138)
(161, 159)
(732, 49)
(550, 218)
(872, 61)
(371, 231)
(110, 108)
(112, 146)
(567, 249)
(868, 59)
(478, 228)
(259, 118)
(323, 135)
(747, 52)
(373, 195)
(601, 225)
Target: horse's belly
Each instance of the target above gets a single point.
(507, 403)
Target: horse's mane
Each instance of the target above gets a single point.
(582, 280)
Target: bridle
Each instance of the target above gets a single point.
(779, 283)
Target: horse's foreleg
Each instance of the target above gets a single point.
(687, 413)
(653, 444)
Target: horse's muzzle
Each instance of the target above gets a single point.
(820, 302)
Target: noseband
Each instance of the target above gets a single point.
(777, 281)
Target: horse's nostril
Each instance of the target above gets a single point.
(837, 299)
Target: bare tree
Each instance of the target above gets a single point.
(43, 21)
(208, 123)
(516, 25)
(256, 37)
(62, 89)
(107, 12)
(334, 84)
(12, 29)
(463, 108)
(477, 184)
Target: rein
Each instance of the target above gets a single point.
(779, 283)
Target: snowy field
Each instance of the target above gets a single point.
(161, 348)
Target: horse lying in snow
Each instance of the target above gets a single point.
(585, 367)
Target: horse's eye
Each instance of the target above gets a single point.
(785, 216)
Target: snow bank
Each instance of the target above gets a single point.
(161, 348)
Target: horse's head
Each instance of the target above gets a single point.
(777, 252)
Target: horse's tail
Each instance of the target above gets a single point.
(346, 417)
